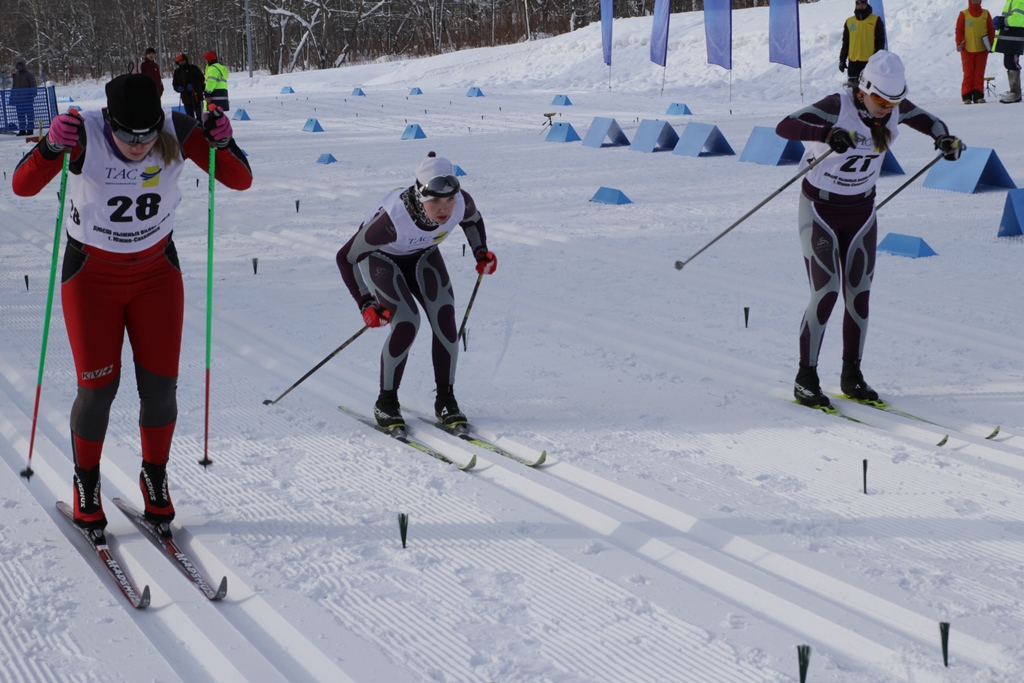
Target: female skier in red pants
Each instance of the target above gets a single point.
(121, 269)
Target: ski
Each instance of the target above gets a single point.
(402, 435)
(98, 540)
(882, 405)
(466, 433)
(180, 557)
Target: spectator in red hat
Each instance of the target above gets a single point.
(216, 81)
(189, 83)
(149, 67)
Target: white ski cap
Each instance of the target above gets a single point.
(432, 167)
(435, 177)
(885, 76)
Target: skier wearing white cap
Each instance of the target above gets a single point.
(838, 230)
(393, 261)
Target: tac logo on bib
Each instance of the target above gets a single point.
(151, 176)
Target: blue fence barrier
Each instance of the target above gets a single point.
(27, 108)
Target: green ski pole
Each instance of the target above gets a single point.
(27, 472)
(206, 462)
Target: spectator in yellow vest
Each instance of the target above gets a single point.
(974, 35)
(863, 36)
(216, 81)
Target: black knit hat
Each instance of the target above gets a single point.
(134, 104)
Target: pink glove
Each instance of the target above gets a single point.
(375, 316)
(65, 130)
(217, 126)
(486, 263)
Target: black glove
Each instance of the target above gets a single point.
(839, 140)
(842, 65)
(950, 146)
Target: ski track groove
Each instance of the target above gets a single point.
(909, 623)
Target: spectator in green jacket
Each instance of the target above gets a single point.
(216, 81)
(1011, 43)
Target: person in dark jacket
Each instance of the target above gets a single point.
(149, 67)
(1010, 43)
(189, 83)
(23, 93)
(863, 36)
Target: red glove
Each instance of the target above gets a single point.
(486, 262)
(375, 316)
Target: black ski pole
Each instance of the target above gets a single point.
(748, 214)
(316, 367)
(908, 183)
(469, 307)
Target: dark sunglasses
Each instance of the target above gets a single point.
(440, 186)
(128, 136)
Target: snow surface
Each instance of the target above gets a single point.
(692, 524)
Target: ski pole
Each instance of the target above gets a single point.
(206, 462)
(907, 184)
(316, 367)
(472, 298)
(748, 214)
(27, 472)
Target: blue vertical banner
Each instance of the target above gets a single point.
(876, 7)
(659, 32)
(718, 31)
(784, 33)
(606, 30)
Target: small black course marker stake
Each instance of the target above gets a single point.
(255, 261)
(944, 633)
(403, 526)
(865, 476)
(803, 655)
(746, 315)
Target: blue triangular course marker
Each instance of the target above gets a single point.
(976, 166)
(415, 91)
(65, 99)
(765, 146)
(905, 245)
(180, 108)
(475, 92)
(358, 92)
(561, 100)
(325, 159)
(458, 170)
(562, 131)
(1013, 214)
(609, 195)
(677, 108)
(241, 115)
(312, 126)
(702, 139)
(287, 90)
(603, 128)
(890, 166)
(654, 136)
(413, 132)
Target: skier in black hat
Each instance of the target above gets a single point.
(121, 271)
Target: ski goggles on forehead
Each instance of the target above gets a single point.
(439, 186)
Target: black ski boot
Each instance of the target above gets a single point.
(447, 409)
(807, 388)
(88, 504)
(388, 411)
(852, 382)
(159, 510)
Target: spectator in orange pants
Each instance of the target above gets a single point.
(974, 36)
